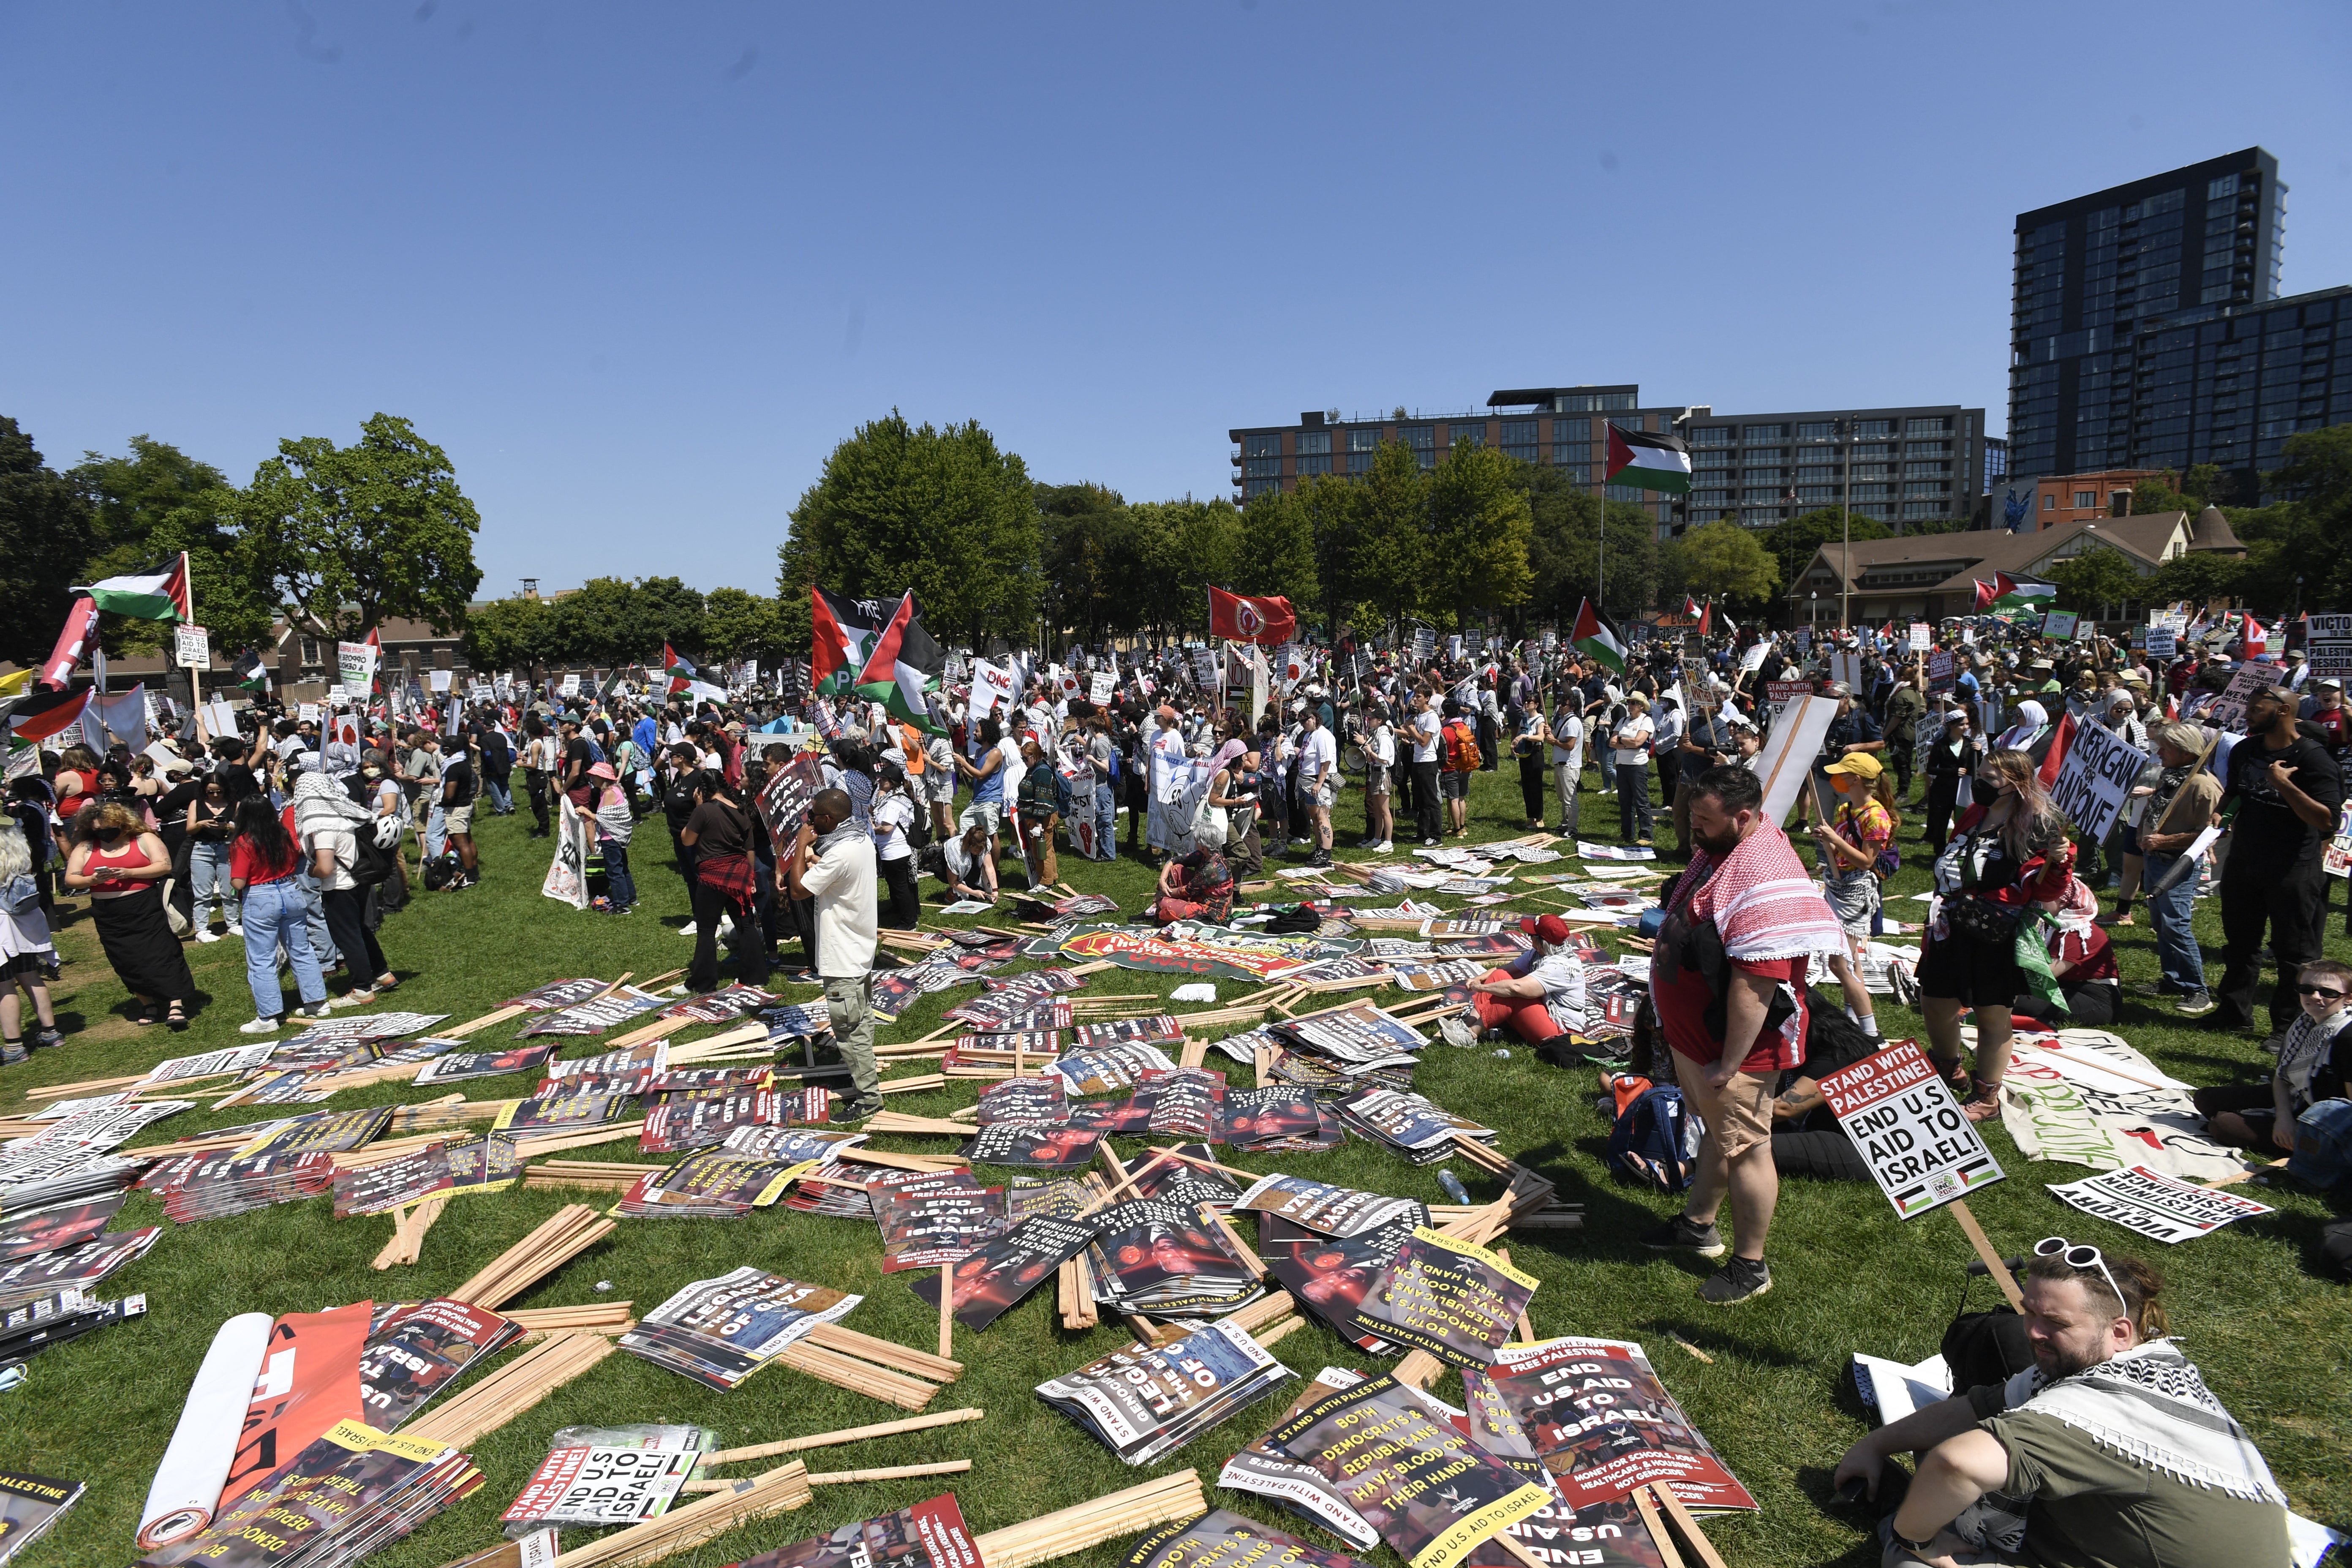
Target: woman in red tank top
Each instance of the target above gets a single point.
(123, 867)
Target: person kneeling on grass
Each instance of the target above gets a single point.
(1195, 886)
(1539, 995)
(2109, 1452)
(967, 866)
(1727, 977)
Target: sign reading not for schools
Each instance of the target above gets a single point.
(2156, 1204)
(2093, 779)
(1921, 1148)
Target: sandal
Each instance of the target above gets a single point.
(175, 1018)
(148, 1018)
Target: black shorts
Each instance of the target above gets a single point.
(1452, 786)
(1973, 974)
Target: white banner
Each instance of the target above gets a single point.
(2155, 1204)
(990, 684)
(355, 664)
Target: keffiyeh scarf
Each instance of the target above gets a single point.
(1763, 902)
(2150, 1406)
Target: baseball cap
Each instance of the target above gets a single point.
(1860, 764)
(1550, 929)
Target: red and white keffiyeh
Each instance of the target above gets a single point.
(1763, 902)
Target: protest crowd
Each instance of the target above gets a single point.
(887, 819)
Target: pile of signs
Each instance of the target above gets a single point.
(1144, 1402)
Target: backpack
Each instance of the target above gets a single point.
(371, 864)
(1462, 753)
(439, 869)
(20, 894)
(2322, 1145)
(1656, 1140)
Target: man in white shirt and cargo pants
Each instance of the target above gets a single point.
(832, 863)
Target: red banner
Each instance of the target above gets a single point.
(1266, 620)
(309, 1380)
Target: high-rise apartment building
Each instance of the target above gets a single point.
(2092, 270)
(1906, 463)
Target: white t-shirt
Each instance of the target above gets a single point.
(1562, 976)
(1317, 752)
(841, 882)
(1425, 736)
(891, 816)
(1382, 746)
(1567, 727)
(1635, 729)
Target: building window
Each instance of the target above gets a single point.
(1919, 511)
(2087, 497)
(1719, 458)
(1711, 436)
(1926, 449)
(1364, 439)
(1768, 494)
(1817, 495)
(2226, 186)
(1262, 467)
(1629, 492)
(1577, 474)
(1927, 489)
(1820, 430)
(1519, 439)
(1267, 444)
(1314, 464)
(1260, 487)
(1873, 429)
(310, 652)
(1460, 431)
(1932, 425)
(1766, 433)
(1423, 439)
(1925, 470)
(1315, 441)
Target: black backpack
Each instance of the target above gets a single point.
(371, 865)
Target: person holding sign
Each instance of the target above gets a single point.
(2126, 1458)
(2287, 790)
(2182, 806)
(832, 862)
(2008, 852)
(1727, 977)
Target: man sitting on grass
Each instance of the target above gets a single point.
(1539, 995)
(2109, 1453)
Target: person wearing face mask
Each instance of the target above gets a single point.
(2282, 798)
(123, 867)
(2009, 851)
(2108, 1452)
(2311, 1067)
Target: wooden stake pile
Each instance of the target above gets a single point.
(779, 1490)
(1167, 1500)
(569, 1232)
(589, 1317)
(408, 1228)
(511, 1390)
(585, 1173)
(864, 1364)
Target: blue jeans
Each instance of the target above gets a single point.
(437, 834)
(2177, 953)
(314, 922)
(500, 801)
(1106, 824)
(208, 878)
(620, 887)
(278, 913)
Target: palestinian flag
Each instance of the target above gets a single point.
(2007, 593)
(250, 670)
(1653, 462)
(74, 643)
(1597, 641)
(842, 638)
(904, 668)
(148, 595)
(680, 670)
(47, 713)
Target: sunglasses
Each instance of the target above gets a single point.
(2319, 991)
(2081, 1257)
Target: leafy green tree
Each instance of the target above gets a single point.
(1937, 525)
(2198, 576)
(611, 621)
(2162, 494)
(512, 633)
(2206, 484)
(941, 512)
(740, 624)
(1087, 552)
(1793, 542)
(1564, 550)
(1273, 551)
(2096, 579)
(1182, 547)
(1386, 562)
(47, 534)
(2302, 536)
(1479, 525)
(1724, 560)
(350, 536)
(1332, 509)
(150, 505)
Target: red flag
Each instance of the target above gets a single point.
(1986, 593)
(74, 643)
(1266, 620)
(2256, 641)
(2060, 740)
(1706, 618)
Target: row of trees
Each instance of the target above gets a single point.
(335, 537)
(609, 621)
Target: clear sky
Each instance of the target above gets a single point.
(637, 268)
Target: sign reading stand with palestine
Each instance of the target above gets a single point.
(1920, 1147)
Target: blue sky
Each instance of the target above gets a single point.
(638, 269)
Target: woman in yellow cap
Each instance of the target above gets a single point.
(1850, 845)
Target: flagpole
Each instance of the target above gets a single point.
(1601, 519)
(1845, 506)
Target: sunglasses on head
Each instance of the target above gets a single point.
(2319, 991)
(2081, 1257)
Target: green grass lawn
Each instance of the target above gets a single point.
(1776, 1399)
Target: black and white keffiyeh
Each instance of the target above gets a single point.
(2149, 1404)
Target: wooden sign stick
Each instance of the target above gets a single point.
(1992, 1260)
(846, 1434)
(1656, 1524)
(947, 1311)
(1686, 1526)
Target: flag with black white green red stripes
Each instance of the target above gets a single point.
(1654, 462)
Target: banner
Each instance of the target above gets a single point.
(990, 684)
(355, 665)
(2328, 645)
(2094, 780)
(567, 872)
(1921, 640)
(2155, 1204)
(309, 1380)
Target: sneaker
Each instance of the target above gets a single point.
(1736, 1281)
(235, 930)
(858, 1111)
(686, 930)
(1683, 1232)
(1321, 858)
(259, 1027)
(317, 1009)
(207, 934)
(2196, 1005)
(1459, 1030)
(1429, 844)
(2155, 988)
(352, 999)
(1385, 846)
(44, 1038)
